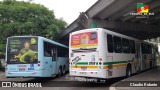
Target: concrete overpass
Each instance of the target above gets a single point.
(115, 15)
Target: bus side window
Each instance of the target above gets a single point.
(125, 46)
(63, 51)
(66, 52)
(117, 44)
(60, 51)
(143, 48)
(47, 49)
(53, 52)
(146, 49)
(150, 49)
(132, 46)
(110, 43)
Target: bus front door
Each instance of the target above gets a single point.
(138, 65)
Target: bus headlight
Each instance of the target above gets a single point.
(100, 67)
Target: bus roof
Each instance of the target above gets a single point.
(48, 40)
(109, 32)
(51, 41)
(24, 36)
(85, 30)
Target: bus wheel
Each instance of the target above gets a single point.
(64, 70)
(128, 71)
(59, 72)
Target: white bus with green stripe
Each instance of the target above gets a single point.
(100, 53)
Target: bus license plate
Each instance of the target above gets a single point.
(83, 73)
(84, 68)
(21, 69)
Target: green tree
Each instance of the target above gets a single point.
(24, 18)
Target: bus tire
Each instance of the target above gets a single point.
(128, 70)
(60, 72)
(64, 70)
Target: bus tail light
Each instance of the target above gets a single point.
(100, 63)
(100, 59)
(100, 67)
(38, 64)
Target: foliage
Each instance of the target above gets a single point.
(24, 18)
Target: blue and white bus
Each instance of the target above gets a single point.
(35, 56)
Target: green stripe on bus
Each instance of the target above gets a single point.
(104, 63)
(82, 63)
(118, 62)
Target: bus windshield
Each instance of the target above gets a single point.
(22, 50)
(84, 40)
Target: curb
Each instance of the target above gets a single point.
(113, 86)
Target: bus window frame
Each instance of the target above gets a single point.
(120, 44)
(110, 44)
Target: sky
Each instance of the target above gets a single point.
(69, 10)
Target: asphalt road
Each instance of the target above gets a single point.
(67, 83)
(62, 83)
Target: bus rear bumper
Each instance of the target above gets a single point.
(89, 74)
(23, 74)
